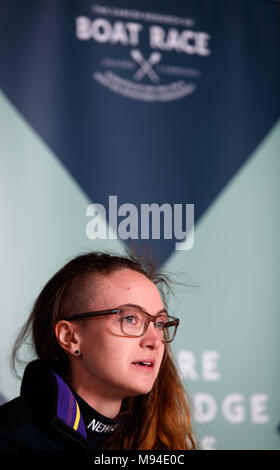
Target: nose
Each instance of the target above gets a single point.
(151, 338)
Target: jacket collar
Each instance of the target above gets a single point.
(67, 409)
(50, 398)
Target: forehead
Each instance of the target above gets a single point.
(106, 291)
(126, 286)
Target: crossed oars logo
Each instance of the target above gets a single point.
(146, 65)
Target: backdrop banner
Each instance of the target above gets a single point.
(153, 124)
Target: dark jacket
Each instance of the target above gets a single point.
(46, 415)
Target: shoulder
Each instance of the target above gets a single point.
(18, 431)
(13, 413)
(44, 415)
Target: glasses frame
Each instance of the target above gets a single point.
(150, 318)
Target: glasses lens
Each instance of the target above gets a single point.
(169, 331)
(133, 322)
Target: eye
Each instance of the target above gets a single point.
(160, 324)
(131, 319)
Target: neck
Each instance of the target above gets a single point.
(96, 395)
(105, 406)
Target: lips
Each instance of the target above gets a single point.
(147, 363)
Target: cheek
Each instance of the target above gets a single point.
(161, 357)
(102, 350)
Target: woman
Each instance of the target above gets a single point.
(104, 377)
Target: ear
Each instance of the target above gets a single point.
(67, 336)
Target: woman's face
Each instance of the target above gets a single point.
(109, 361)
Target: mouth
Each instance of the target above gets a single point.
(147, 364)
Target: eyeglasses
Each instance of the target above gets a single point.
(134, 322)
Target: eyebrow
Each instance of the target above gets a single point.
(140, 308)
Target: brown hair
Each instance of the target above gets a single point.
(160, 419)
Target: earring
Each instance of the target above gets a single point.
(77, 352)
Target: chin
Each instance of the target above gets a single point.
(139, 391)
